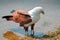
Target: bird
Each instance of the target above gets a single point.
(26, 18)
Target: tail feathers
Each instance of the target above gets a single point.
(9, 17)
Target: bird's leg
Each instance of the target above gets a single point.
(26, 31)
(32, 29)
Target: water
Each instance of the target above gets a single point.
(21, 31)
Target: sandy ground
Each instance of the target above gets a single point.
(9, 35)
(10, 32)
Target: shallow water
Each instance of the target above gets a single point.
(21, 31)
(41, 27)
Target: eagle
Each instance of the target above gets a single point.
(26, 18)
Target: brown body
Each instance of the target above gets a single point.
(22, 18)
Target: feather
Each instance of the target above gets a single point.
(9, 17)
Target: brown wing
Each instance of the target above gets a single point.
(26, 15)
(25, 19)
(25, 22)
(8, 18)
(21, 12)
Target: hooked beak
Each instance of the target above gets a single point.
(42, 12)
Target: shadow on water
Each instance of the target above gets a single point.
(36, 35)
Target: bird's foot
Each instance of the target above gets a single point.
(32, 35)
(26, 34)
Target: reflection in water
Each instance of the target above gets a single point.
(21, 31)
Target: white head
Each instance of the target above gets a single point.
(37, 10)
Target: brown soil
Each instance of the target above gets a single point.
(12, 36)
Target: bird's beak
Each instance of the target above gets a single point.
(42, 12)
